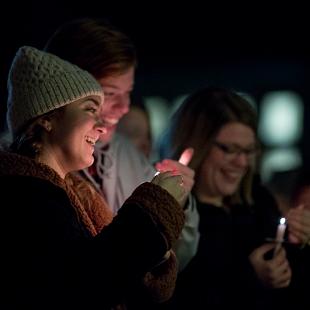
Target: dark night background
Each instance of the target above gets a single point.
(183, 47)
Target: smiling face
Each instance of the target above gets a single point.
(69, 145)
(224, 167)
(117, 90)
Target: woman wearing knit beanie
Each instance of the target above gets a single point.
(110, 56)
(58, 250)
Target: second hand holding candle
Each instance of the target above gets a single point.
(184, 159)
(180, 168)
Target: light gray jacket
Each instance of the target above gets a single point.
(121, 168)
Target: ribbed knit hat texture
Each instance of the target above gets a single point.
(40, 82)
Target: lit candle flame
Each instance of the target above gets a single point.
(280, 235)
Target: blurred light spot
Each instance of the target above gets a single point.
(281, 118)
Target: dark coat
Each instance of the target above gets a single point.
(220, 276)
(53, 258)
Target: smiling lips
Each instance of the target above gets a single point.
(91, 140)
(232, 176)
(109, 123)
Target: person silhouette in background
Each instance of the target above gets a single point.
(233, 266)
(61, 246)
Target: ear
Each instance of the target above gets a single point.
(45, 123)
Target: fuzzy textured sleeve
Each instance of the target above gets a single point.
(162, 208)
(158, 284)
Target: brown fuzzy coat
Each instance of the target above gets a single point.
(93, 212)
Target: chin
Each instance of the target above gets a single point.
(230, 191)
(88, 163)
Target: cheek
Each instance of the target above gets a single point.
(213, 165)
(209, 173)
(220, 178)
(107, 104)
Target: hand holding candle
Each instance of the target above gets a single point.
(172, 165)
(298, 219)
(180, 168)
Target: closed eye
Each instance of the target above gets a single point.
(109, 94)
(233, 149)
(92, 106)
(92, 110)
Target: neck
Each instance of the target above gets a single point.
(48, 159)
(216, 201)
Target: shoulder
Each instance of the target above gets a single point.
(119, 146)
(119, 141)
(33, 200)
(129, 156)
(31, 190)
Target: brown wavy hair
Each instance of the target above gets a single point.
(94, 45)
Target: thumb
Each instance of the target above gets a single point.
(292, 238)
(295, 210)
(263, 249)
(300, 206)
(186, 156)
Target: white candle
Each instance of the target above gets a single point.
(281, 230)
(186, 156)
(280, 235)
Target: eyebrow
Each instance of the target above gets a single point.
(115, 87)
(109, 85)
(97, 103)
(252, 145)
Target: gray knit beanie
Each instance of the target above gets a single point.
(40, 82)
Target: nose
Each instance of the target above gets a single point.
(242, 160)
(101, 126)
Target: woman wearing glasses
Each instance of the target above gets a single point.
(234, 265)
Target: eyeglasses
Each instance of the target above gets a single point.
(234, 150)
